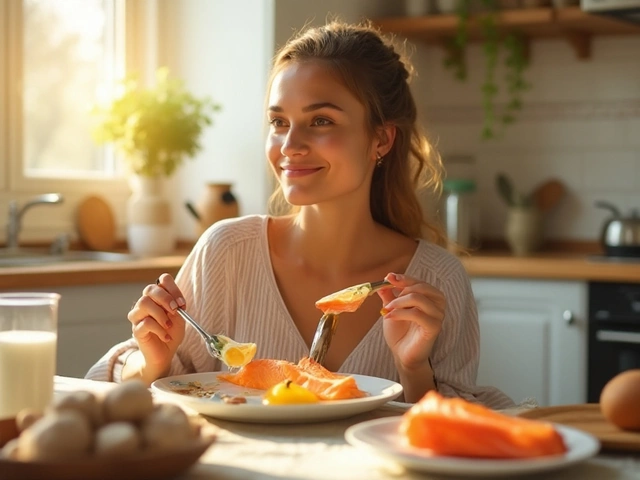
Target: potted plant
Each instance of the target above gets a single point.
(523, 228)
(156, 129)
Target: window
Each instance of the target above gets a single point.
(72, 50)
(57, 59)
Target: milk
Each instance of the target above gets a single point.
(27, 367)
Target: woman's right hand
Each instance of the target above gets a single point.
(156, 326)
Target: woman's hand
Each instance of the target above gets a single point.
(413, 319)
(156, 326)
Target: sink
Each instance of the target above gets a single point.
(24, 257)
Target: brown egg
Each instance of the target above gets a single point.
(620, 400)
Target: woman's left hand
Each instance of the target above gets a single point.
(413, 319)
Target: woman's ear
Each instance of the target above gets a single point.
(386, 135)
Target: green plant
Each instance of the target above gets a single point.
(510, 195)
(456, 48)
(156, 128)
(515, 63)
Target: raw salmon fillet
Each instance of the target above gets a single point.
(265, 373)
(456, 427)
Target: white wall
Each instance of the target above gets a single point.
(293, 15)
(581, 124)
(222, 48)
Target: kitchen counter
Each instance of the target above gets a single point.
(552, 266)
(93, 273)
(543, 266)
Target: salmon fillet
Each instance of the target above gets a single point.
(309, 365)
(261, 374)
(265, 373)
(456, 427)
(337, 387)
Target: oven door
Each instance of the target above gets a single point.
(612, 350)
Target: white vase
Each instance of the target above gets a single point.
(150, 229)
(523, 230)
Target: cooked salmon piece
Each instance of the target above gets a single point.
(309, 365)
(344, 301)
(338, 387)
(261, 374)
(265, 373)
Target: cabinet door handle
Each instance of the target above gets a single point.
(568, 317)
(618, 337)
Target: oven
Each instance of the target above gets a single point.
(614, 333)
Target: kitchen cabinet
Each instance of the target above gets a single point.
(533, 338)
(91, 319)
(570, 23)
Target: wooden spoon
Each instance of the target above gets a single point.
(548, 194)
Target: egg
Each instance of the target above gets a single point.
(620, 400)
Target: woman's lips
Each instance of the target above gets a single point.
(299, 171)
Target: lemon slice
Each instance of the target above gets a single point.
(235, 354)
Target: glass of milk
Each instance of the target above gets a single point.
(28, 338)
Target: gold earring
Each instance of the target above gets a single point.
(380, 160)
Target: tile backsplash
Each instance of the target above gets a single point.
(580, 124)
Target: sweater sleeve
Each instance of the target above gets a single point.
(109, 367)
(456, 353)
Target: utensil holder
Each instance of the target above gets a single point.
(523, 230)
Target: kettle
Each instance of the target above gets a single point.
(620, 235)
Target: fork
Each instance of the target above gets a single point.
(211, 342)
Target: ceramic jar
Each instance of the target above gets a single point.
(217, 202)
(150, 229)
(523, 230)
(459, 212)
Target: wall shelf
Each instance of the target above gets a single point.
(570, 23)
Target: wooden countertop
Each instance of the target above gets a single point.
(90, 273)
(542, 266)
(552, 266)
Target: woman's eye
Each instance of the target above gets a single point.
(277, 122)
(322, 122)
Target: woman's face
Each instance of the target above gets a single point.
(318, 144)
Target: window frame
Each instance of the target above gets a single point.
(4, 114)
(140, 55)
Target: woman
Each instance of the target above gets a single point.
(345, 147)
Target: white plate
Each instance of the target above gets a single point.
(381, 436)
(380, 391)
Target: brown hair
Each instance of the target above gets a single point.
(372, 69)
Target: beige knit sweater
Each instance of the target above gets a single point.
(229, 285)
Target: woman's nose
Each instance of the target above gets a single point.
(295, 143)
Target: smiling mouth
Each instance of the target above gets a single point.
(299, 171)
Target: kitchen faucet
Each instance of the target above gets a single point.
(16, 214)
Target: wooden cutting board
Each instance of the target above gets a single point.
(96, 224)
(588, 418)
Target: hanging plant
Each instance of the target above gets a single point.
(491, 47)
(455, 59)
(515, 64)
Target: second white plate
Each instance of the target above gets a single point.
(380, 391)
(381, 436)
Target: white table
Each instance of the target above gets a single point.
(319, 451)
